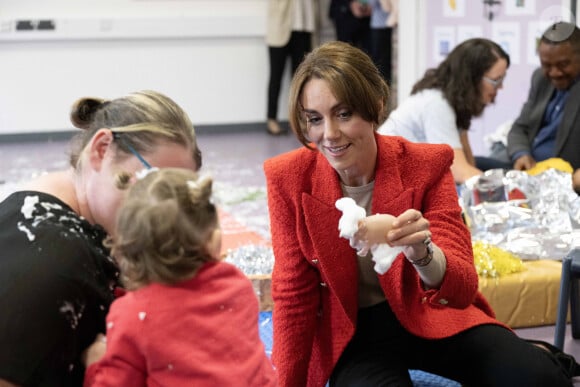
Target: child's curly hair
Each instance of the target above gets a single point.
(163, 227)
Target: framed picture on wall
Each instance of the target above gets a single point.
(507, 35)
(453, 8)
(519, 7)
(444, 42)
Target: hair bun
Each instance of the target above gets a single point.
(83, 111)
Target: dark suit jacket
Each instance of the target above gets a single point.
(315, 277)
(527, 125)
(339, 7)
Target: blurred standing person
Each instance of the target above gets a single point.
(290, 28)
(352, 22)
(383, 19)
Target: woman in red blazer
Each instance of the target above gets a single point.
(337, 320)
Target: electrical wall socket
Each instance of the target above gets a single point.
(40, 25)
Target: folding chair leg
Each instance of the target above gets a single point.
(562, 313)
(574, 307)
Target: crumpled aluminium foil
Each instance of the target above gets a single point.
(252, 259)
(543, 223)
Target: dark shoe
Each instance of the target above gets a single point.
(567, 362)
(274, 128)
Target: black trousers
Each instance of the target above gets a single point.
(382, 351)
(298, 46)
(381, 48)
(487, 163)
(353, 30)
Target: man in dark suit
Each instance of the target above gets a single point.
(549, 123)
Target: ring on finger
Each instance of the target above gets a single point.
(427, 239)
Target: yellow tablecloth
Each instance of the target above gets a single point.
(528, 298)
(525, 299)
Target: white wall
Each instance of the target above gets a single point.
(212, 58)
(209, 55)
(411, 63)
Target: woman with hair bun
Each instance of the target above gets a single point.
(57, 279)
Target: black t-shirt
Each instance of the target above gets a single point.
(56, 286)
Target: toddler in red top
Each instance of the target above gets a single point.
(188, 318)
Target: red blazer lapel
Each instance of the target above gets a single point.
(337, 259)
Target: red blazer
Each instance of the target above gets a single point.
(315, 280)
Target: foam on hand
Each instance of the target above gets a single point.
(383, 255)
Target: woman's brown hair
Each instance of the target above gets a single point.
(352, 77)
(459, 77)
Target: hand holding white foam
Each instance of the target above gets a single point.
(367, 233)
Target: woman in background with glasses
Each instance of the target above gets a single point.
(57, 279)
(443, 103)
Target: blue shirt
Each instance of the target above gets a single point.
(545, 141)
(378, 15)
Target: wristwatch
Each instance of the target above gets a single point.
(427, 259)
